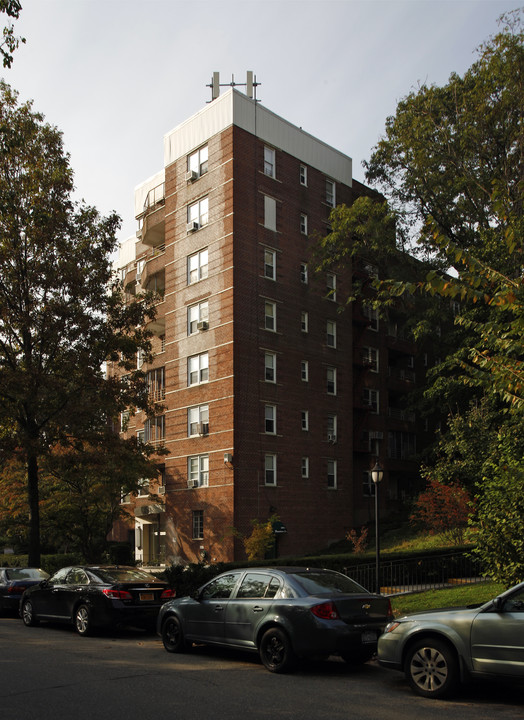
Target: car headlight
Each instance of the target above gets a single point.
(391, 626)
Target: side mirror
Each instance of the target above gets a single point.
(498, 604)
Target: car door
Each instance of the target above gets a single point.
(48, 599)
(204, 617)
(249, 606)
(497, 638)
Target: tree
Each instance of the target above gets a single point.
(443, 508)
(62, 314)
(9, 44)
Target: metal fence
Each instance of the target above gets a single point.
(419, 573)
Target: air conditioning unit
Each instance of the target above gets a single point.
(203, 428)
(192, 226)
(192, 483)
(191, 175)
(202, 325)
(376, 435)
(162, 490)
(332, 438)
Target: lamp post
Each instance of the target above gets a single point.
(377, 474)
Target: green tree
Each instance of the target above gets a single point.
(10, 42)
(62, 314)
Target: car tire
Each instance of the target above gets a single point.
(82, 620)
(431, 668)
(28, 614)
(173, 635)
(276, 651)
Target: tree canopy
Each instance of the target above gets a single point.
(62, 313)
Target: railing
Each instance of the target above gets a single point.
(420, 573)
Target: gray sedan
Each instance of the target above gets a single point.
(439, 649)
(281, 613)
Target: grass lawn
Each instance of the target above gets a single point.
(447, 597)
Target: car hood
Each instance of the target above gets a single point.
(440, 613)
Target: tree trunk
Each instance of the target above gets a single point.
(34, 510)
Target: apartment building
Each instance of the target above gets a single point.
(271, 400)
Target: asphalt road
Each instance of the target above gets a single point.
(49, 672)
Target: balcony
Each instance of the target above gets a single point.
(151, 222)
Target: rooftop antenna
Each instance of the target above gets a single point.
(251, 85)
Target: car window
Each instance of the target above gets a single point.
(117, 575)
(258, 585)
(26, 574)
(515, 603)
(220, 587)
(327, 582)
(77, 576)
(59, 577)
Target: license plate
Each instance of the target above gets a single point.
(146, 597)
(369, 636)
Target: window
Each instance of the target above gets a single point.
(303, 175)
(197, 317)
(198, 420)
(304, 321)
(198, 524)
(330, 192)
(303, 223)
(270, 315)
(269, 162)
(303, 273)
(140, 358)
(331, 380)
(197, 267)
(371, 398)
(270, 213)
(270, 367)
(368, 486)
(221, 587)
(124, 420)
(143, 487)
(372, 315)
(270, 264)
(198, 213)
(332, 428)
(331, 284)
(270, 469)
(370, 358)
(258, 585)
(155, 429)
(198, 369)
(156, 388)
(270, 415)
(304, 370)
(305, 467)
(331, 333)
(305, 419)
(197, 161)
(332, 474)
(198, 471)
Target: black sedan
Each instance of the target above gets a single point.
(88, 597)
(13, 582)
(281, 613)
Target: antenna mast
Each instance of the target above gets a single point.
(251, 85)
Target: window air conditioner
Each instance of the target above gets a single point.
(191, 175)
(162, 490)
(192, 483)
(202, 325)
(203, 428)
(332, 438)
(192, 226)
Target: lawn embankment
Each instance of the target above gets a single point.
(459, 596)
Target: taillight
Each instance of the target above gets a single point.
(18, 589)
(117, 594)
(390, 609)
(168, 593)
(326, 611)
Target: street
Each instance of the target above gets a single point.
(49, 672)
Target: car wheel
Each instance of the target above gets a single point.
(83, 620)
(172, 635)
(28, 614)
(276, 652)
(431, 668)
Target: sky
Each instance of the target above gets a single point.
(116, 75)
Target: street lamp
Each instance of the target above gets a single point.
(376, 475)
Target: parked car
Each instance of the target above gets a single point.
(281, 613)
(439, 649)
(90, 596)
(13, 582)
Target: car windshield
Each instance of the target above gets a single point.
(26, 574)
(327, 582)
(122, 575)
